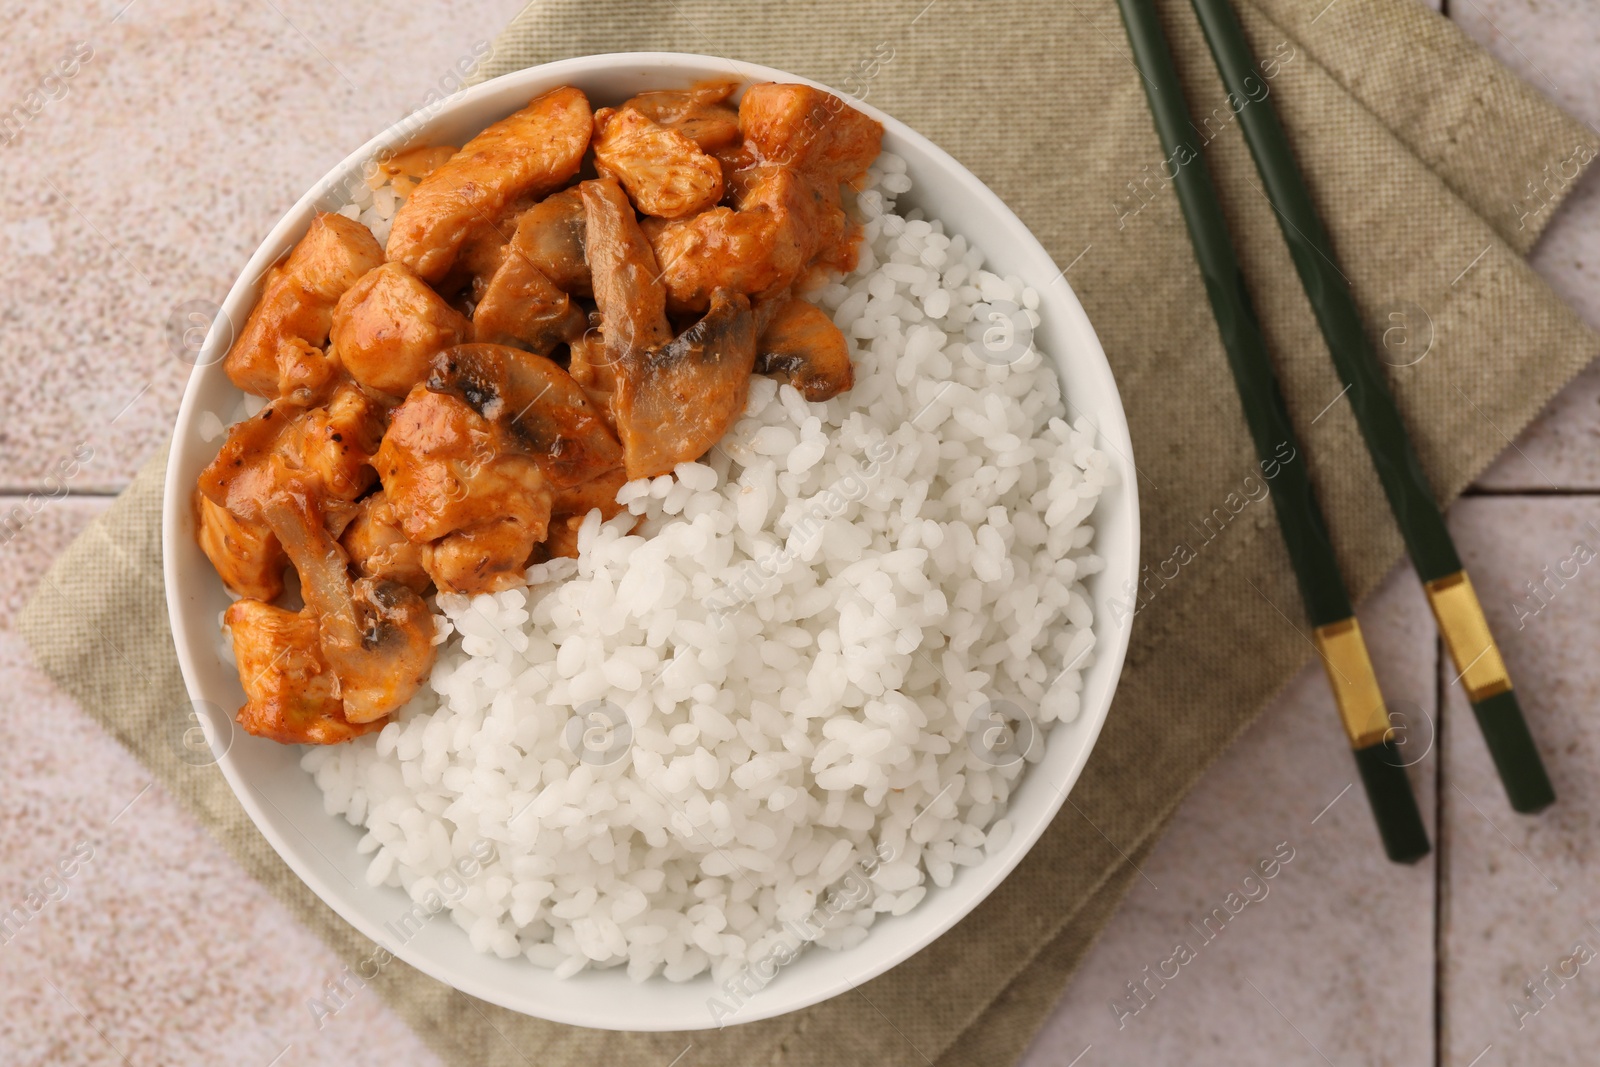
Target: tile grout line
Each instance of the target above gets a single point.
(1490, 492)
(22, 492)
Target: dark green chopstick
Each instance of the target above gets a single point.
(1455, 606)
(1305, 534)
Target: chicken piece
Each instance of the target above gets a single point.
(387, 327)
(623, 269)
(279, 351)
(445, 468)
(576, 501)
(665, 173)
(523, 308)
(538, 408)
(758, 249)
(246, 555)
(802, 346)
(473, 499)
(550, 234)
(378, 548)
(376, 635)
(291, 695)
(699, 113)
(813, 131)
(675, 402)
(330, 449)
(528, 154)
(487, 558)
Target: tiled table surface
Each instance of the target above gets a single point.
(164, 952)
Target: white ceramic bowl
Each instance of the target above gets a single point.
(285, 803)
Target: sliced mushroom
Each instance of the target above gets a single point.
(541, 409)
(623, 270)
(551, 235)
(375, 634)
(674, 402)
(802, 346)
(523, 308)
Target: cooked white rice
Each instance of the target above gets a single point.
(676, 744)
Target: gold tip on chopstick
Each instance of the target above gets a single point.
(1466, 635)
(1355, 684)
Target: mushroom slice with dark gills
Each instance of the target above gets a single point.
(672, 398)
(802, 346)
(674, 402)
(523, 308)
(536, 404)
(623, 270)
(375, 635)
(551, 235)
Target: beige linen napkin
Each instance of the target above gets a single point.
(1423, 155)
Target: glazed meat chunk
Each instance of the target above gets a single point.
(449, 473)
(279, 351)
(815, 132)
(758, 249)
(665, 173)
(291, 694)
(378, 548)
(246, 555)
(699, 113)
(388, 326)
(524, 156)
(326, 451)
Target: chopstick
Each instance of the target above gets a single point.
(1337, 635)
(1460, 618)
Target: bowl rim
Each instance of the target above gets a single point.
(1111, 640)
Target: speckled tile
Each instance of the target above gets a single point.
(177, 144)
(184, 137)
(157, 947)
(1523, 891)
(1340, 934)
(1553, 44)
